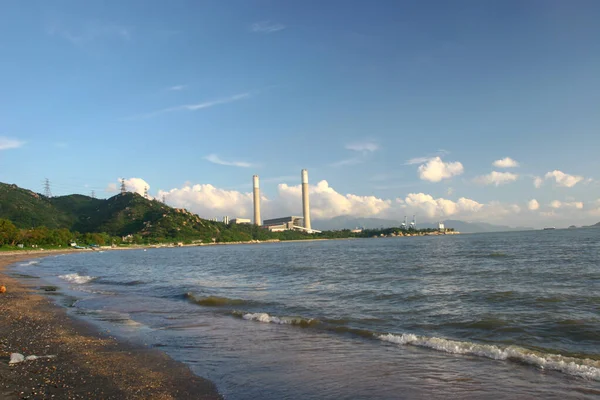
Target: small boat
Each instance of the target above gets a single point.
(550, 228)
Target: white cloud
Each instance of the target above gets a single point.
(422, 203)
(537, 182)
(8, 143)
(89, 32)
(435, 170)
(266, 27)
(136, 185)
(533, 205)
(563, 179)
(496, 178)
(417, 160)
(213, 158)
(194, 107)
(348, 161)
(177, 87)
(506, 162)
(327, 203)
(209, 201)
(556, 204)
(363, 146)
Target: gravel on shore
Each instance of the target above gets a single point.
(88, 364)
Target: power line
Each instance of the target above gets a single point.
(47, 191)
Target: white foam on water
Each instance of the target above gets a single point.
(585, 368)
(32, 262)
(266, 318)
(76, 278)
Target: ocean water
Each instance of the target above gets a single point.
(504, 315)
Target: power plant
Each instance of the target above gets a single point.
(285, 223)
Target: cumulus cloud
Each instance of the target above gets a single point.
(8, 143)
(506, 162)
(327, 203)
(440, 207)
(537, 182)
(435, 170)
(496, 178)
(556, 204)
(213, 158)
(563, 179)
(209, 201)
(136, 185)
(533, 205)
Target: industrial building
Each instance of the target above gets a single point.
(283, 223)
(240, 221)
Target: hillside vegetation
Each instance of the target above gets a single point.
(109, 220)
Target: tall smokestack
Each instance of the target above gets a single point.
(257, 220)
(305, 203)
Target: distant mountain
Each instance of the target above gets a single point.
(345, 222)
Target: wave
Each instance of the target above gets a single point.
(266, 318)
(216, 301)
(76, 278)
(582, 367)
(120, 283)
(32, 262)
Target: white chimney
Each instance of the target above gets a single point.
(305, 202)
(257, 220)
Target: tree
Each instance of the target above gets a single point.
(8, 233)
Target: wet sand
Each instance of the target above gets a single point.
(87, 363)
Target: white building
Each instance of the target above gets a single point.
(241, 221)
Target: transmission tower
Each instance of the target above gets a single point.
(93, 194)
(47, 191)
(164, 199)
(146, 192)
(123, 187)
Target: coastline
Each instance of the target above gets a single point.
(87, 363)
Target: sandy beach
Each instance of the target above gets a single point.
(86, 363)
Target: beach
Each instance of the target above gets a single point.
(85, 363)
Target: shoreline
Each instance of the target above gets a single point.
(88, 363)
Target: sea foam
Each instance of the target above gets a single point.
(585, 368)
(76, 278)
(32, 262)
(266, 318)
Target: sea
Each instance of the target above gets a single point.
(473, 316)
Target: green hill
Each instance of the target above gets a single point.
(27, 209)
(121, 215)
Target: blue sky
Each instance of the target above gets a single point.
(365, 95)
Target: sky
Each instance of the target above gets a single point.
(471, 110)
